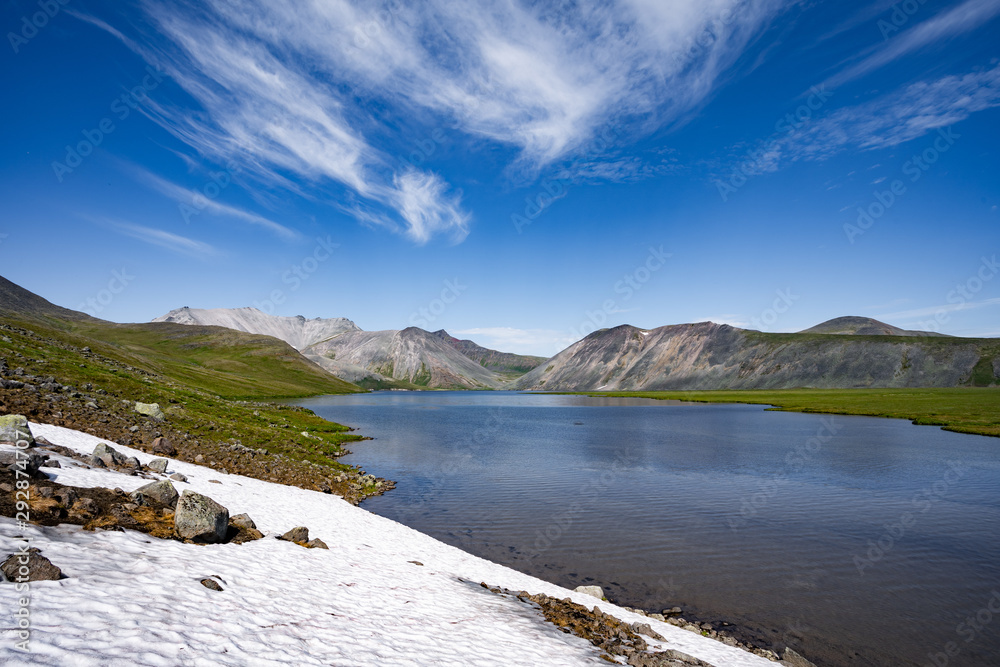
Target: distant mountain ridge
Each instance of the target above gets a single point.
(863, 326)
(409, 357)
(718, 356)
(297, 331)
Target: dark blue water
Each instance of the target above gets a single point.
(857, 541)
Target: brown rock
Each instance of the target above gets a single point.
(39, 568)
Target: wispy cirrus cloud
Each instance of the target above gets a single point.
(539, 342)
(290, 90)
(161, 238)
(889, 120)
(199, 202)
(966, 17)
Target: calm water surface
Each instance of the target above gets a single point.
(857, 541)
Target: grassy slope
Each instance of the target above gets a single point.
(964, 409)
(203, 377)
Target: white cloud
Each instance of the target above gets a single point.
(538, 342)
(892, 119)
(968, 16)
(162, 239)
(298, 90)
(930, 311)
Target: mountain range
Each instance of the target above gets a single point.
(845, 352)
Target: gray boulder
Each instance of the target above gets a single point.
(39, 568)
(158, 465)
(200, 519)
(108, 455)
(20, 460)
(151, 410)
(162, 492)
(179, 477)
(14, 428)
(243, 521)
(163, 446)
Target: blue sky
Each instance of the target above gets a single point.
(519, 174)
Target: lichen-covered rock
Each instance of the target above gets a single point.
(158, 465)
(162, 492)
(242, 521)
(14, 428)
(151, 410)
(200, 519)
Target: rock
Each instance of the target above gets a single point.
(200, 519)
(84, 507)
(673, 611)
(21, 460)
(163, 446)
(108, 455)
(131, 462)
(658, 617)
(211, 584)
(177, 477)
(242, 521)
(39, 568)
(595, 591)
(151, 410)
(199, 459)
(316, 543)
(96, 462)
(298, 534)
(158, 465)
(52, 464)
(14, 428)
(162, 492)
(793, 659)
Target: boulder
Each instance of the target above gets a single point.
(39, 568)
(297, 534)
(162, 492)
(21, 460)
(211, 584)
(594, 591)
(14, 428)
(316, 543)
(108, 455)
(151, 410)
(200, 519)
(84, 508)
(177, 477)
(163, 446)
(793, 659)
(242, 521)
(158, 465)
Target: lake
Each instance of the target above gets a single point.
(855, 540)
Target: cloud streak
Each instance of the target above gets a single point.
(162, 239)
(297, 92)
